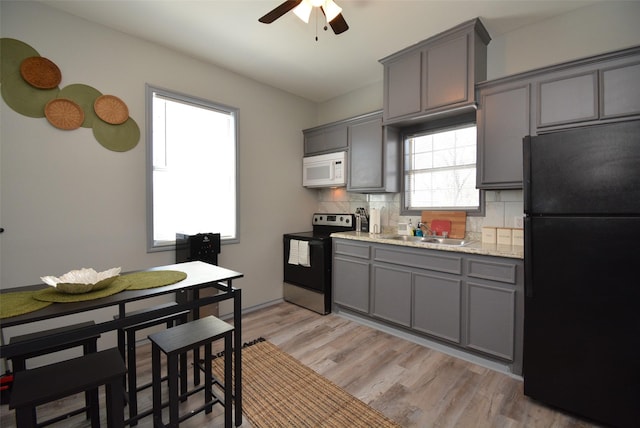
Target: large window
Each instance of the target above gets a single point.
(192, 168)
(440, 169)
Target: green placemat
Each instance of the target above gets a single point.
(152, 279)
(53, 295)
(18, 303)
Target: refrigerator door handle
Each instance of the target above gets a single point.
(526, 173)
(528, 265)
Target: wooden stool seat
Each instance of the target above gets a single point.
(175, 342)
(127, 341)
(49, 383)
(89, 344)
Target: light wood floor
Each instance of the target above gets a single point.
(411, 384)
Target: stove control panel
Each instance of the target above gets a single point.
(336, 220)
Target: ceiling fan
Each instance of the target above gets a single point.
(303, 8)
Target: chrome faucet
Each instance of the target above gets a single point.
(425, 229)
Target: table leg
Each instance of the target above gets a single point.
(237, 350)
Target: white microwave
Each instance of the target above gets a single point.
(328, 170)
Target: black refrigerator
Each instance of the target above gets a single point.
(582, 271)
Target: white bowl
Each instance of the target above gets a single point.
(82, 280)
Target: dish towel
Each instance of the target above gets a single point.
(303, 253)
(299, 253)
(294, 258)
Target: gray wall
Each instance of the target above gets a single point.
(67, 202)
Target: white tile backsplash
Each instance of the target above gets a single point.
(501, 208)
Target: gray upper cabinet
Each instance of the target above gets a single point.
(326, 139)
(374, 156)
(436, 75)
(620, 90)
(503, 119)
(594, 90)
(590, 91)
(567, 99)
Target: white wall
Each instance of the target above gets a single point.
(591, 30)
(67, 202)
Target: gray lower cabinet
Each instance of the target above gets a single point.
(437, 305)
(471, 302)
(391, 294)
(351, 265)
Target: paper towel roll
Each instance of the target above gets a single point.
(374, 221)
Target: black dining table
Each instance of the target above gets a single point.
(200, 275)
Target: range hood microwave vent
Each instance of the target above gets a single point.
(329, 170)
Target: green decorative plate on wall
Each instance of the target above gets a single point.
(118, 138)
(84, 96)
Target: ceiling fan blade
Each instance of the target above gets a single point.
(279, 11)
(339, 25)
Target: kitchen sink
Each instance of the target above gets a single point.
(432, 240)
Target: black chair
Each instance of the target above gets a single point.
(45, 384)
(127, 341)
(89, 344)
(174, 343)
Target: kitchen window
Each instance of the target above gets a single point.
(440, 168)
(192, 168)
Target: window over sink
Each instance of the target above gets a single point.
(192, 168)
(440, 167)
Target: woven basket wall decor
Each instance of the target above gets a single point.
(40, 72)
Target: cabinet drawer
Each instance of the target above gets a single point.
(492, 270)
(351, 249)
(420, 259)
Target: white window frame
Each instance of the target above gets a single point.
(204, 185)
(408, 168)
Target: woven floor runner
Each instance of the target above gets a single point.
(281, 392)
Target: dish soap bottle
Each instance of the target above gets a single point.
(412, 231)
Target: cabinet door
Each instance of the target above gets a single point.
(330, 139)
(447, 77)
(351, 283)
(391, 292)
(366, 161)
(503, 121)
(403, 86)
(620, 91)
(491, 319)
(436, 306)
(568, 99)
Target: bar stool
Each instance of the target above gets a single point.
(89, 345)
(127, 340)
(174, 343)
(42, 385)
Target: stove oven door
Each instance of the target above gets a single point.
(315, 277)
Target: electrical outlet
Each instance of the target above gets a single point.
(518, 222)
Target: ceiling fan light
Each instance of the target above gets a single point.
(316, 3)
(331, 10)
(303, 11)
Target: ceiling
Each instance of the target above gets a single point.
(285, 54)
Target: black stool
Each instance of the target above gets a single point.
(175, 342)
(42, 385)
(127, 340)
(89, 345)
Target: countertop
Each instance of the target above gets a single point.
(475, 247)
